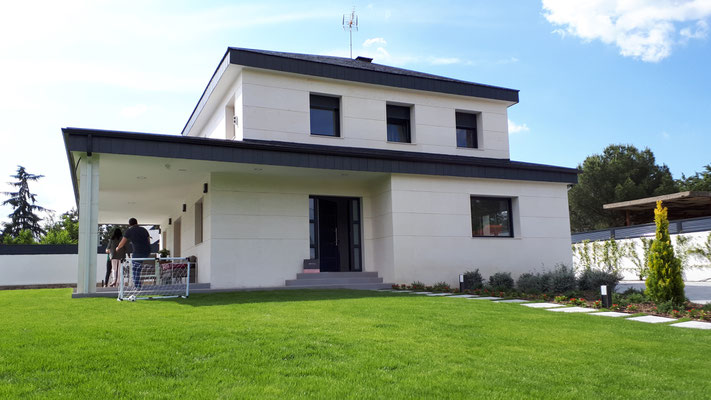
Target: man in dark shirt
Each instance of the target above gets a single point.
(141, 241)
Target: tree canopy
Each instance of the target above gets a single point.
(620, 173)
(699, 182)
(23, 216)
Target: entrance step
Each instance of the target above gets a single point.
(346, 280)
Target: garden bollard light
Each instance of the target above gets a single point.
(461, 282)
(606, 297)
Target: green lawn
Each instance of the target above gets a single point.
(335, 344)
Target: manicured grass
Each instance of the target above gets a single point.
(335, 344)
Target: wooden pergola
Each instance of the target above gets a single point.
(681, 205)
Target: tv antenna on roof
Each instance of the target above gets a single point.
(350, 23)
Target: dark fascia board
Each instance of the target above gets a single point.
(39, 249)
(310, 156)
(262, 60)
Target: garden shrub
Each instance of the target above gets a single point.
(441, 287)
(706, 307)
(417, 285)
(664, 282)
(530, 283)
(592, 279)
(473, 280)
(560, 280)
(501, 281)
(666, 307)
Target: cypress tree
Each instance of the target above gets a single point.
(664, 282)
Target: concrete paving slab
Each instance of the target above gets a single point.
(512, 301)
(693, 325)
(613, 314)
(464, 296)
(542, 305)
(439, 294)
(571, 309)
(420, 292)
(651, 319)
(485, 298)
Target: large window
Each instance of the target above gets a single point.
(325, 118)
(398, 124)
(491, 216)
(466, 130)
(198, 222)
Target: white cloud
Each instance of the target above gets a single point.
(377, 40)
(133, 111)
(516, 128)
(642, 29)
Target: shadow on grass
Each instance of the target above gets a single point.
(277, 296)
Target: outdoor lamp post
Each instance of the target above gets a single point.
(606, 297)
(461, 282)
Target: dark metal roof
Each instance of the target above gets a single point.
(306, 156)
(350, 70)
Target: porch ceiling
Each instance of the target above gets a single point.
(151, 189)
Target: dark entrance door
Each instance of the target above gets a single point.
(335, 235)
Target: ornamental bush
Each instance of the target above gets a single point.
(560, 280)
(473, 280)
(501, 281)
(664, 282)
(530, 283)
(592, 279)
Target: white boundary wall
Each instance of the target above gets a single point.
(696, 272)
(44, 269)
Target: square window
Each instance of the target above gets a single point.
(325, 119)
(491, 217)
(466, 130)
(398, 124)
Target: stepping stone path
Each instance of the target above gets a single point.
(542, 305)
(651, 319)
(611, 314)
(571, 309)
(693, 324)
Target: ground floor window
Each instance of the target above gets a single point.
(491, 217)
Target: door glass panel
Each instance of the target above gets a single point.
(356, 234)
(356, 210)
(356, 260)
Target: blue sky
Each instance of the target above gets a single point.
(590, 73)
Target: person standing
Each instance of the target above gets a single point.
(141, 241)
(115, 255)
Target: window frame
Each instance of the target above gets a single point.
(509, 203)
(321, 102)
(470, 127)
(400, 115)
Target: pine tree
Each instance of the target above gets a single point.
(23, 201)
(664, 282)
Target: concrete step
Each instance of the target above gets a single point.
(324, 275)
(333, 281)
(358, 286)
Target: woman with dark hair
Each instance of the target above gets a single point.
(116, 256)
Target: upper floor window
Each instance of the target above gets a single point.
(325, 119)
(491, 216)
(466, 130)
(398, 124)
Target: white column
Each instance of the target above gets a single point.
(88, 222)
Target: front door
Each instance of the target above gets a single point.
(335, 233)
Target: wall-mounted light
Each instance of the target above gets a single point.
(170, 221)
(204, 187)
(185, 208)
(235, 120)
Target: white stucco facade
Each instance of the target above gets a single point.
(257, 219)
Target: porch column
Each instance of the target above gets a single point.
(88, 222)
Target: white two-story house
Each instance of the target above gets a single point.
(388, 174)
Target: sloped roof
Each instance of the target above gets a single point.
(347, 69)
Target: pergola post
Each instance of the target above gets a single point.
(88, 222)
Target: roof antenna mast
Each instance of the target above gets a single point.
(350, 23)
